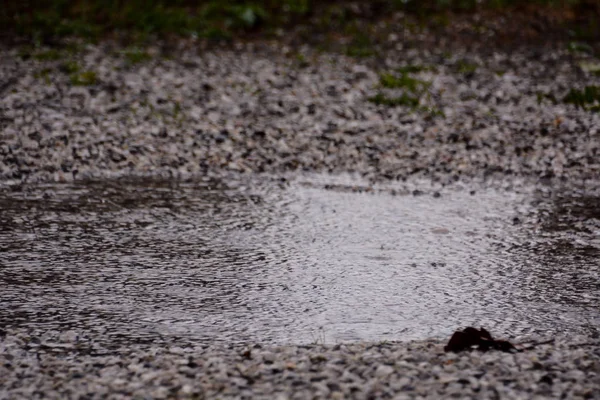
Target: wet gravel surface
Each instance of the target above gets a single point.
(158, 289)
(263, 108)
(267, 108)
(70, 365)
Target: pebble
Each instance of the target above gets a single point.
(255, 110)
(571, 369)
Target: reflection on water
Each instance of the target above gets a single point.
(294, 262)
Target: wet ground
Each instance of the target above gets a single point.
(312, 259)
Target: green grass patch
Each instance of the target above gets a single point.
(580, 47)
(360, 46)
(591, 67)
(25, 52)
(301, 60)
(404, 81)
(465, 67)
(585, 29)
(85, 78)
(70, 67)
(44, 74)
(135, 55)
(43, 20)
(413, 69)
(413, 89)
(404, 100)
(177, 110)
(48, 55)
(587, 99)
(429, 6)
(541, 97)
(359, 51)
(433, 112)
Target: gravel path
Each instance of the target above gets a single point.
(266, 108)
(64, 366)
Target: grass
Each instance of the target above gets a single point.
(360, 46)
(421, 6)
(412, 89)
(588, 98)
(135, 55)
(411, 69)
(541, 96)
(406, 101)
(404, 81)
(381, 99)
(301, 60)
(44, 74)
(465, 67)
(580, 47)
(43, 20)
(70, 67)
(85, 78)
(177, 110)
(48, 55)
(590, 67)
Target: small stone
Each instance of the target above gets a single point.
(383, 371)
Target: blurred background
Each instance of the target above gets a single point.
(46, 21)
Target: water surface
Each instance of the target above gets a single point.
(315, 259)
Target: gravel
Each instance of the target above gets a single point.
(62, 365)
(264, 107)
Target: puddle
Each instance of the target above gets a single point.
(312, 260)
